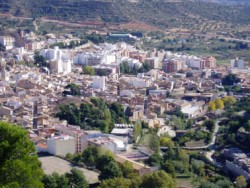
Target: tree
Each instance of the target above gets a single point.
(127, 170)
(198, 167)
(19, 164)
(211, 106)
(155, 159)
(224, 183)
(146, 67)
(154, 142)
(137, 131)
(74, 89)
(209, 124)
(108, 167)
(190, 123)
(89, 70)
(241, 182)
(229, 100)
(90, 156)
(169, 168)
(219, 104)
(76, 179)
(166, 142)
(230, 79)
(159, 179)
(55, 181)
(116, 183)
(40, 60)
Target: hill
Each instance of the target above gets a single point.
(160, 13)
(229, 2)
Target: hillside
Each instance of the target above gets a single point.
(229, 2)
(161, 13)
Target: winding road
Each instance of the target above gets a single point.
(210, 145)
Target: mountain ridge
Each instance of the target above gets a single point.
(160, 13)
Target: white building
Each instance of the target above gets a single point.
(61, 145)
(131, 62)
(73, 131)
(60, 61)
(237, 63)
(7, 41)
(104, 143)
(139, 82)
(99, 82)
(195, 62)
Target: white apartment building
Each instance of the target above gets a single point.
(99, 82)
(237, 63)
(97, 58)
(61, 145)
(7, 41)
(60, 61)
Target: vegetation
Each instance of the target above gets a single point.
(230, 79)
(113, 175)
(96, 114)
(73, 179)
(137, 131)
(126, 69)
(40, 60)
(89, 70)
(71, 45)
(241, 182)
(236, 125)
(96, 39)
(158, 179)
(19, 165)
(220, 104)
(164, 13)
(2, 48)
(72, 89)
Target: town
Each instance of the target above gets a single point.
(71, 95)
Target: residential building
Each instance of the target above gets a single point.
(172, 65)
(73, 131)
(99, 82)
(153, 62)
(60, 61)
(210, 62)
(61, 145)
(7, 42)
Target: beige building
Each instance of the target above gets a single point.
(139, 168)
(7, 41)
(172, 65)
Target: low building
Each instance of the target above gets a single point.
(104, 143)
(140, 169)
(89, 135)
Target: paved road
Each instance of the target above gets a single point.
(210, 145)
